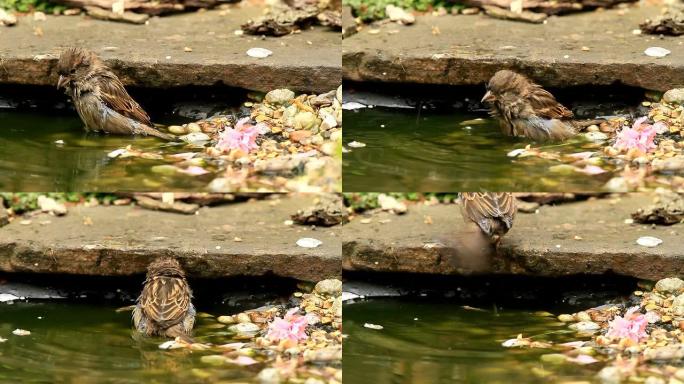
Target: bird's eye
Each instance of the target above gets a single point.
(73, 70)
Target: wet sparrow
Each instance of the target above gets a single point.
(493, 212)
(526, 109)
(100, 99)
(164, 307)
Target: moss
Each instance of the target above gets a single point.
(20, 202)
(362, 201)
(369, 10)
(31, 5)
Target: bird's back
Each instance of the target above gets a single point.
(493, 212)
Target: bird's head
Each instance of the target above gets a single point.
(73, 65)
(504, 82)
(165, 266)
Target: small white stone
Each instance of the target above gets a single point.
(373, 326)
(656, 52)
(308, 242)
(259, 53)
(649, 241)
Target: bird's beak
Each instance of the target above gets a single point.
(488, 97)
(62, 81)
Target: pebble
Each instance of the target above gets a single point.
(674, 96)
(649, 241)
(194, 127)
(554, 358)
(596, 136)
(610, 375)
(245, 329)
(213, 359)
(654, 380)
(616, 184)
(226, 319)
(259, 53)
(583, 316)
(373, 326)
(308, 242)
(21, 332)
(304, 120)
(243, 318)
(329, 287)
(279, 96)
(269, 376)
(678, 305)
(177, 130)
(657, 52)
(585, 326)
(670, 285)
(399, 15)
(195, 137)
(566, 318)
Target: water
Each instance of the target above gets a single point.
(432, 151)
(438, 341)
(75, 342)
(30, 160)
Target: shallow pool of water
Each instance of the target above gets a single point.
(441, 151)
(73, 342)
(32, 158)
(438, 341)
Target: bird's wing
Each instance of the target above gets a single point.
(483, 206)
(545, 105)
(115, 96)
(165, 300)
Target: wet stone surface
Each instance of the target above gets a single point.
(251, 238)
(590, 237)
(470, 49)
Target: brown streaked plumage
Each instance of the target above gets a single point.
(164, 307)
(493, 212)
(524, 108)
(99, 96)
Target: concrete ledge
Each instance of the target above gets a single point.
(123, 240)
(541, 244)
(309, 61)
(469, 49)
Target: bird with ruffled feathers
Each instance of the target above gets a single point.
(524, 108)
(100, 98)
(493, 212)
(164, 307)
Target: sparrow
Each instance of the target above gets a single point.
(164, 307)
(524, 108)
(493, 212)
(99, 96)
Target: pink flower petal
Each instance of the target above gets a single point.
(242, 360)
(583, 359)
(194, 170)
(581, 155)
(591, 170)
(185, 155)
